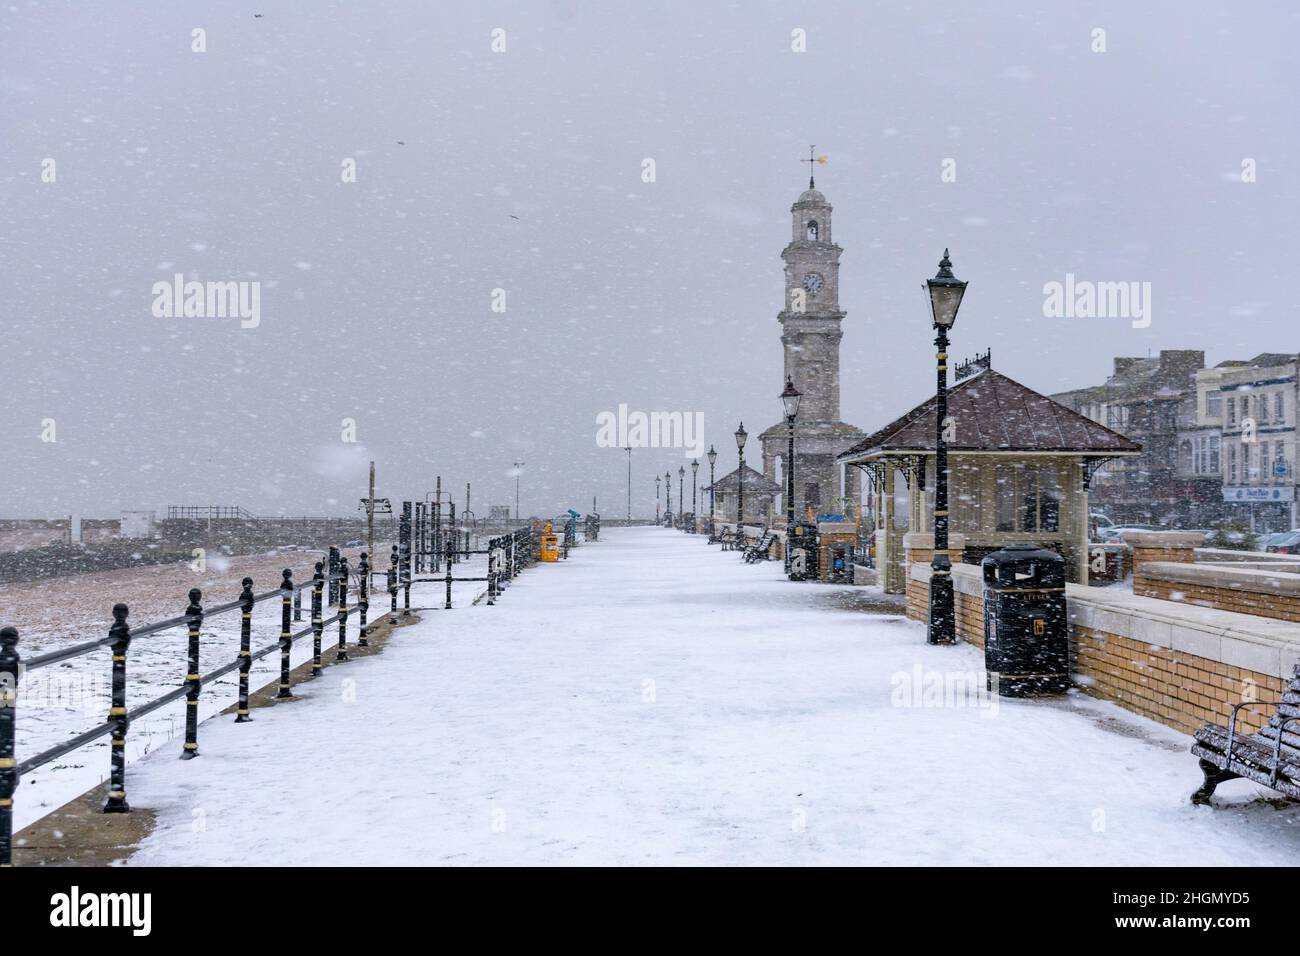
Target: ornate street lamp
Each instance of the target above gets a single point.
(681, 497)
(713, 457)
(656, 499)
(741, 435)
(790, 400)
(668, 494)
(695, 470)
(946, 292)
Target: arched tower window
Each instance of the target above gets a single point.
(812, 230)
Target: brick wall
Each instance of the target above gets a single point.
(1182, 666)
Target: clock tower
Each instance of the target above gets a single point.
(810, 336)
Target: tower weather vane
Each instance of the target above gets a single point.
(813, 158)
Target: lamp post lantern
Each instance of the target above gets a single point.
(790, 400)
(713, 457)
(741, 435)
(946, 292)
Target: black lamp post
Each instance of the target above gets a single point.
(713, 457)
(629, 483)
(668, 496)
(741, 435)
(695, 470)
(656, 499)
(790, 399)
(681, 497)
(945, 299)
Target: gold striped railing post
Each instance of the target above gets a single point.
(286, 631)
(317, 620)
(9, 667)
(363, 599)
(120, 635)
(245, 649)
(342, 654)
(194, 623)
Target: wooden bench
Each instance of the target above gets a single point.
(1270, 757)
(760, 549)
(728, 539)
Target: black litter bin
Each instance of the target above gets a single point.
(1025, 639)
(803, 553)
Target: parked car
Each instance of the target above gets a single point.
(1287, 543)
(1115, 533)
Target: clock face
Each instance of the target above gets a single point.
(813, 282)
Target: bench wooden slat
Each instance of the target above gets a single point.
(1250, 772)
(1250, 749)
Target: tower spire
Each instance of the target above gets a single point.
(813, 158)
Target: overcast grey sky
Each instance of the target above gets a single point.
(522, 170)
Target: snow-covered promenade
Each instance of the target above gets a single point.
(653, 700)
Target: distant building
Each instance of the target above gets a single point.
(1251, 407)
(1154, 402)
(760, 493)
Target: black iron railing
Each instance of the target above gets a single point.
(507, 556)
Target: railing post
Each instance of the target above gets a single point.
(491, 575)
(363, 598)
(194, 623)
(406, 582)
(245, 652)
(120, 633)
(297, 604)
(317, 617)
(392, 586)
(334, 575)
(342, 654)
(447, 605)
(286, 629)
(9, 666)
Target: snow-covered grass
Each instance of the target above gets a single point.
(61, 700)
(654, 700)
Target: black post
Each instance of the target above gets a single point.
(334, 575)
(392, 586)
(194, 622)
(286, 630)
(447, 604)
(942, 628)
(342, 654)
(491, 572)
(9, 667)
(245, 652)
(789, 489)
(363, 599)
(120, 635)
(317, 617)
(297, 605)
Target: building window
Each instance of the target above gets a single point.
(1186, 457)
(1279, 412)
(1264, 471)
(1232, 460)
(812, 230)
(1213, 442)
(1214, 405)
(1232, 410)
